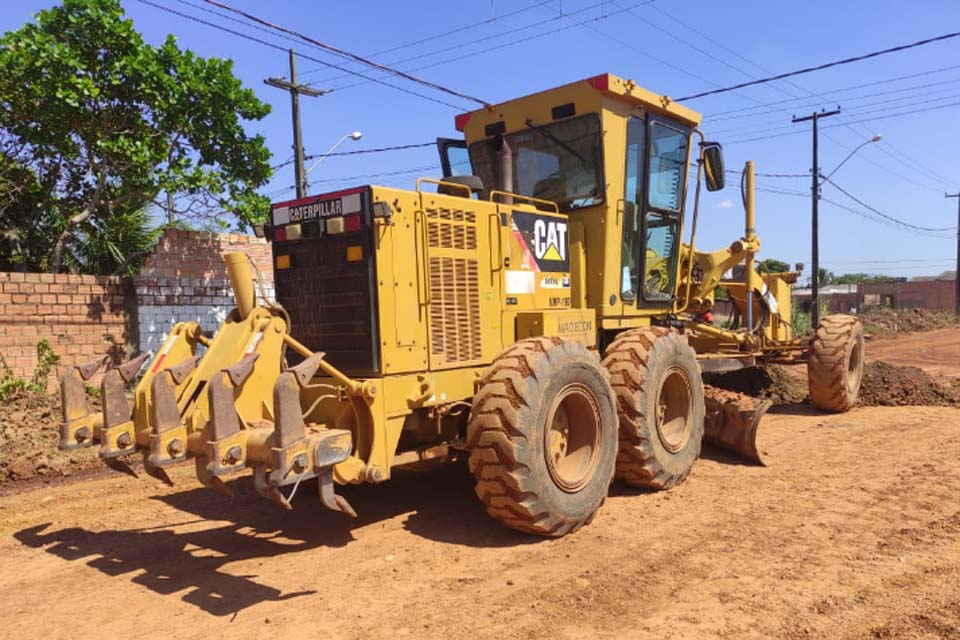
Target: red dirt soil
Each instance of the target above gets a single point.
(852, 531)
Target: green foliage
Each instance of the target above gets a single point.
(771, 265)
(801, 321)
(721, 293)
(114, 244)
(12, 386)
(46, 361)
(866, 278)
(96, 124)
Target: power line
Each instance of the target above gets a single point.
(882, 214)
(794, 98)
(362, 152)
(820, 67)
(840, 205)
(832, 92)
(524, 40)
(485, 39)
(347, 54)
(273, 45)
(787, 132)
(451, 32)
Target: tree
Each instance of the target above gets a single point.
(101, 123)
(772, 265)
(867, 278)
(825, 277)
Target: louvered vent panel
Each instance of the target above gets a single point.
(454, 286)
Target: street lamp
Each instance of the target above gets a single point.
(356, 135)
(876, 138)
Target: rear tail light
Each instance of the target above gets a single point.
(343, 224)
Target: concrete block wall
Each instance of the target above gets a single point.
(185, 280)
(162, 302)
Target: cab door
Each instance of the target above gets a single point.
(454, 157)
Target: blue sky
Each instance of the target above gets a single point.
(508, 48)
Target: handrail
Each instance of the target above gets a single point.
(424, 241)
(449, 184)
(530, 199)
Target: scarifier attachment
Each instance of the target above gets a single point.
(118, 436)
(168, 433)
(732, 420)
(299, 453)
(226, 442)
(77, 428)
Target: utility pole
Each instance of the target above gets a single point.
(171, 218)
(956, 275)
(295, 91)
(815, 225)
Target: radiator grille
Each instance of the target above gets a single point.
(454, 286)
(330, 300)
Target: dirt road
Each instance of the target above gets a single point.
(854, 531)
(937, 352)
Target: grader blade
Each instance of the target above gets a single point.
(732, 420)
(77, 430)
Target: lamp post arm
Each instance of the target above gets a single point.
(327, 153)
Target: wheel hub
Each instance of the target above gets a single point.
(572, 439)
(674, 411)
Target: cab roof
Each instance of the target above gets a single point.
(585, 96)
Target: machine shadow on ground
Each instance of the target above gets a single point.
(441, 505)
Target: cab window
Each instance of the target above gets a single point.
(558, 161)
(667, 167)
(632, 197)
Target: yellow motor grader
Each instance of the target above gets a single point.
(534, 309)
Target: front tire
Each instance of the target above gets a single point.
(835, 364)
(661, 407)
(543, 436)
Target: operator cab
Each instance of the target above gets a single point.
(613, 157)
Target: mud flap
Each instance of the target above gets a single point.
(297, 453)
(732, 420)
(76, 429)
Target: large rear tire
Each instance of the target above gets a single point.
(660, 402)
(835, 364)
(543, 436)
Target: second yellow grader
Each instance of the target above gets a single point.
(535, 309)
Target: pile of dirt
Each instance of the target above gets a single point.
(773, 382)
(29, 433)
(888, 385)
(884, 321)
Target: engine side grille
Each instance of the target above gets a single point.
(454, 286)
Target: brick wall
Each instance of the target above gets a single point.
(197, 255)
(83, 317)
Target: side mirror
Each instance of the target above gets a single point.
(712, 155)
